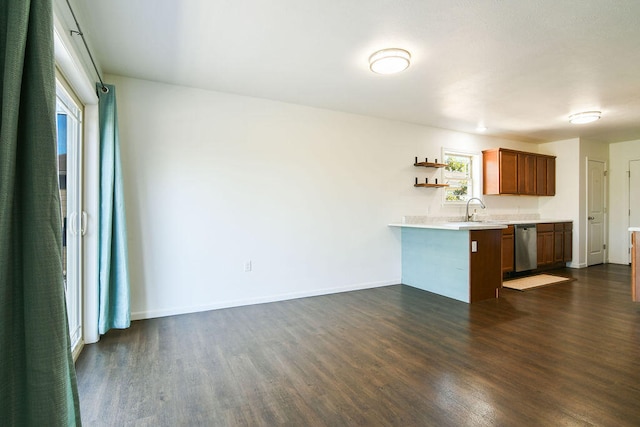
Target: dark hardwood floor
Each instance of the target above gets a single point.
(563, 355)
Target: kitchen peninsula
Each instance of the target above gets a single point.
(459, 260)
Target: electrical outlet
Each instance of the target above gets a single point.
(247, 266)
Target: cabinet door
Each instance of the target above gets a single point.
(526, 173)
(545, 245)
(568, 245)
(558, 243)
(545, 176)
(485, 278)
(551, 176)
(541, 176)
(508, 172)
(508, 250)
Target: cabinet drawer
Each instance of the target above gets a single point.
(543, 228)
(507, 231)
(568, 226)
(558, 226)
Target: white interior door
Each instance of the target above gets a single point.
(595, 212)
(634, 197)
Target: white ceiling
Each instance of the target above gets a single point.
(520, 67)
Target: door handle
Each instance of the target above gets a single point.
(591, 218)
(83, 223)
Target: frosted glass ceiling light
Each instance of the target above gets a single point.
(585, 117)
(389, 61)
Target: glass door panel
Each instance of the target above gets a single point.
(69, 126)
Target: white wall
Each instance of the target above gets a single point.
(620, 154)
(566, 203)
(570, 201)
(213, 180)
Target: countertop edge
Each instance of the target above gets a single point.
(453, 226)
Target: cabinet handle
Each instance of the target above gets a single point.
(591, 218)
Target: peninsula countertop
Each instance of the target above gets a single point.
(460, 225)
(480, 225)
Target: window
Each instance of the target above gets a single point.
(462, 174)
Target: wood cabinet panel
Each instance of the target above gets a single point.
(500, 171)
(567, 248)
(545, 175)
(508, 175)
(517, 172)
(508, 250)
(545, 245)
(558, 246)
(555, 244)
(485, 275)
(635, 262)
(551, 176)
(526, 174)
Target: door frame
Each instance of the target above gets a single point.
(605, 215)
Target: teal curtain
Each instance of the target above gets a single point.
(114, 311)
(37, 375)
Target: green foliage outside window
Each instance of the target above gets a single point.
(457, 174)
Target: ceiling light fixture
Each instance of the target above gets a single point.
(585, 117)
(389, 61)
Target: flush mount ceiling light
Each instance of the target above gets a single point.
(389, 61)
(585, 117)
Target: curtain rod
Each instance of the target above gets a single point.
(79, 32)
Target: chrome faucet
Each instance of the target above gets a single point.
(468, 217)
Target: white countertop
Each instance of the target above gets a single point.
(634, 228)
(480, 225)
(531, 221)
(455, 225)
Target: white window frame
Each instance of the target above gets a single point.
(475, 175)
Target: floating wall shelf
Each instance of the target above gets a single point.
(431, 185)
(430, 164)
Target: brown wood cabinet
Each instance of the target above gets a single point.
(555, 244)
(558, 242)
(517, 172)
(567, 248)
(635, 262)
(485, 278)
(545, 245)
(545, 175)
(508, 250)
(527, 174)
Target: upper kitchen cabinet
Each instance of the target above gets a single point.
(545, 175)
(517, 172)
(500, 171)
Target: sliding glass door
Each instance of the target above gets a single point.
(69, 126)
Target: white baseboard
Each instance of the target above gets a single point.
(172, 311)
(576, 265)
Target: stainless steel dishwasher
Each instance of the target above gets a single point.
(526, 247)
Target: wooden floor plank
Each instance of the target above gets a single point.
(566, 354)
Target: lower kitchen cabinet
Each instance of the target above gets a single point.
(485, 278)
(555, 242)
(558, 242)
(567, 248)
(545, 245)
(508, 250)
